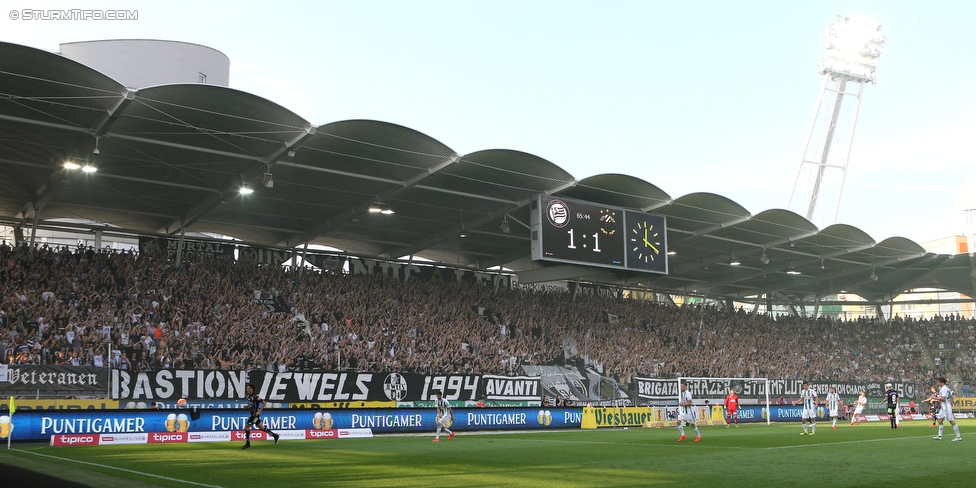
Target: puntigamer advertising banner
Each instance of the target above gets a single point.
(40, 425)
(168, 385)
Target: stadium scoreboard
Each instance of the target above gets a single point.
(577, 232)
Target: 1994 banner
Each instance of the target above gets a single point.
(172, 384)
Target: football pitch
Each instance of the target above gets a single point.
(754, 455)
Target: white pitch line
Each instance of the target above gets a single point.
(843, 442)
(167, 478)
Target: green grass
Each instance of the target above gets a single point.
(753, 455)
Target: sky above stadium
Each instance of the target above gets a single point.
(692, 97)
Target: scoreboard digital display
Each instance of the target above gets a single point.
(578, 232)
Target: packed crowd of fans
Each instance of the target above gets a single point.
(141, 312)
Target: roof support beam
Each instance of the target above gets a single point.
(458, 228)
(114, 114)
(230, 187)
(362, 206)
(557, 273)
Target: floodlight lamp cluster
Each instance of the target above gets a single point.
(72, 165)
(377, 207)
(853, 49)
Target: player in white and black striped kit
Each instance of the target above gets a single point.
(808, 397)
(686, 413)
(945, 410)
(254, 406)
(445, 417)
(833, 407)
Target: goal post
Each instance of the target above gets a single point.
(751, 391)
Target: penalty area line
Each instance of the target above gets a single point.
(167, 478)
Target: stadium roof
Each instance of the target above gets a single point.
(172, 158)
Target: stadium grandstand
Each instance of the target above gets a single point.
(221, 231)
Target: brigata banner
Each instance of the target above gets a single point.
(350, 389)
(656, 391)
(39, 425)
(51, 380)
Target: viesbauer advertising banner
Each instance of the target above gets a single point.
(169, 385)
(39, 425)
(54, 379)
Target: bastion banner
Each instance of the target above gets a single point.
(52, 380)
(169, 385)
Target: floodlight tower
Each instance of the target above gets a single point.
(853, 49)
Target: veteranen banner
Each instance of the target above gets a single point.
(51, 380)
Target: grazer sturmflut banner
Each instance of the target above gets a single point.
(316, 386)
(55, 379)
(664, 391)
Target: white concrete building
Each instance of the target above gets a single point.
(139, 63)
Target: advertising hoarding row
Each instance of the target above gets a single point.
(40, 425)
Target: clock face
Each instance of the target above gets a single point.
(646, 242)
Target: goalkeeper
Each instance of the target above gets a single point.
(732, 408)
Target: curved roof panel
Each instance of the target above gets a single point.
(173, 158)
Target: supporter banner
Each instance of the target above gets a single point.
(150, 245)
(510, 388)
(563, 381)
(23, 405)
(261, 255)
(345, 390)
(47, 380)
(656, 391)
(664, 391)
(173, 384)
(326, 262)
(38, 425)
(274, 306)
(424, 273)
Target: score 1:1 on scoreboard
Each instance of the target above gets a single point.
(577, 232)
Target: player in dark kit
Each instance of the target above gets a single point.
(891, 401)
(254, 405)
(933, 404)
